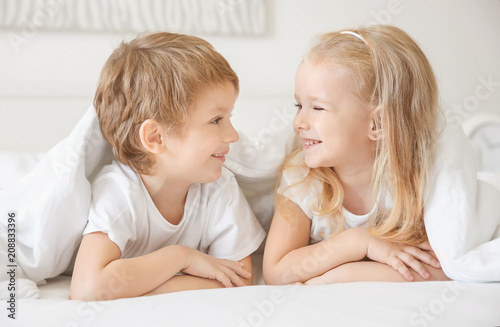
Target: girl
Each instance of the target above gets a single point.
(367, 111)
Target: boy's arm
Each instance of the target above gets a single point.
(100, 274)
(188, 282)
(371, 271)
(247, 264)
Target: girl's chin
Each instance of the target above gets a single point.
(314, 164)
(311, 163)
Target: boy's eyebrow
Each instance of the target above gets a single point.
(220, 110)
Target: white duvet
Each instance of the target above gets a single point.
(51, 204)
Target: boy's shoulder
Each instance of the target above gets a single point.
(116, 190)
(119, 174)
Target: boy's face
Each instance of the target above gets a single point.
(198, 150)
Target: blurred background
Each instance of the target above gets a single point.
(51, 52)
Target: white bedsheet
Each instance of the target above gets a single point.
(354, 304)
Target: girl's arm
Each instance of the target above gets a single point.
(100, 274)
(289, 259)
(188, 282)
(371, 271)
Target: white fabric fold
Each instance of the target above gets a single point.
(462, 212)
(51, 202)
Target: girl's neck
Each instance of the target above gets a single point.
(168, 194)
(357, 191)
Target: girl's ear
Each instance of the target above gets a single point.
(151, 135)
(376, 131)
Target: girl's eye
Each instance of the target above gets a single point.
(216, 120)
(318, 108)
(298, 106)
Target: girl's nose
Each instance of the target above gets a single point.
(300, 121)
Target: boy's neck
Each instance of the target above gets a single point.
(168, 194)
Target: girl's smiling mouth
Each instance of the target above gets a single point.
(309, 143)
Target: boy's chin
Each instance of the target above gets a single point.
(213, 176)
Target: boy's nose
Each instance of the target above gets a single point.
(231, 134)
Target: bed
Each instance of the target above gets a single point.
(450, 303)
(62, 66)
(356, 304)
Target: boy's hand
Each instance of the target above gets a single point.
(400, 256)
(227, 272)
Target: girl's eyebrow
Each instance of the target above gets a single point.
(311, 98)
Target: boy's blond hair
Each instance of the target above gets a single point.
(155, 76)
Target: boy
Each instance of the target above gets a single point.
(166, 205)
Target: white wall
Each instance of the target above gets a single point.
(49, 82)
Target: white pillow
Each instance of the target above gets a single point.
(52, 202)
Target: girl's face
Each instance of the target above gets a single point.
(333, 124)
(198, 151)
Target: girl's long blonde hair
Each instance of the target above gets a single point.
(393, 74)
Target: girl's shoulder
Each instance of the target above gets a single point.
(295, 168)
(297, 185)
(296, 174)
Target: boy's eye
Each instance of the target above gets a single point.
(318, 108)
(298, 106)
(216, 120)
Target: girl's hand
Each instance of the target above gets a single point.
(401, 256)
(227, 272)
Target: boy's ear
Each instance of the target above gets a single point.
(151, 135)
(376, 131)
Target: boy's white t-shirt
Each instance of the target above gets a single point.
(307, 195)
(217, 219)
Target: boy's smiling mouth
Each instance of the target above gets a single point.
(220, 156)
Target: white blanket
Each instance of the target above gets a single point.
(462, 213)
(51, 204)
